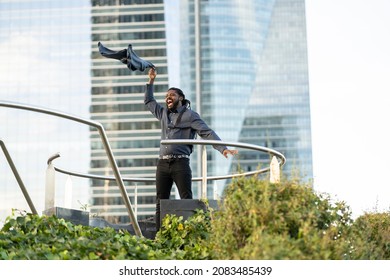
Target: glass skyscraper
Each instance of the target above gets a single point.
(247, 69)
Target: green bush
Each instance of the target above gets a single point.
(32, 237)
(27, 236)
(371, 234)
(185, 240)
(260, 220)
(256, 220)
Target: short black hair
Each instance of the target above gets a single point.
(178, 91)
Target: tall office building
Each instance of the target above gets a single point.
(118, 103)
(247, 69)
(45, 62)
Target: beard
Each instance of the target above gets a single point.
(173, 105)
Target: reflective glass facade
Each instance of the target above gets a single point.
(254, 86)
(118, 103)
(45, 62)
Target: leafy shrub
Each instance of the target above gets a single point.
(29, 236)
(185, 240)
(260, 220)
(371, 234)
(256, 220)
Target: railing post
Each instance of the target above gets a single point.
(204, 172)
(136, 200)
(119, 180)
(50, 186)
(274, 171)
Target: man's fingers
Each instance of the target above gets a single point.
(231, 152)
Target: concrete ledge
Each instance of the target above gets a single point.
(184, 207)
(148, 228)
(77, 217)
(178, 207)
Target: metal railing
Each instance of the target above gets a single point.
(204, 178)
(118, 178)
(106, 145)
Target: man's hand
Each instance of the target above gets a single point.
(227, 152)
(152, 75)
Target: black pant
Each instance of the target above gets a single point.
(169, 171)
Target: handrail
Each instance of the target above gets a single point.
(153, 179)
(53, 157)
(106, 144)
(232, 144)
(204, 178)
(279, 155)
(17, 177)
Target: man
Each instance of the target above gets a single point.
(178, 121)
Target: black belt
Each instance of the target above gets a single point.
(173, 156)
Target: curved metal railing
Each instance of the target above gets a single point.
(106, 145)
(117, 176)
(204, 178)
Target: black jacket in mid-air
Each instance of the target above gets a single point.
(126, 56)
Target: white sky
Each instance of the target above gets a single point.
(349, 68)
